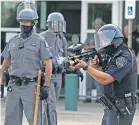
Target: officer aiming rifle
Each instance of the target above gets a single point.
(119, 76)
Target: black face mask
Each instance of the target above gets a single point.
(110, 50)
(26, 31)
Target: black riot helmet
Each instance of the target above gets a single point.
(26, 11)
(108, 36)
(56, 22)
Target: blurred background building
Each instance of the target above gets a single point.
(79, 16)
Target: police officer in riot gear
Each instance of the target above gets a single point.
(23, 55)
(58, 46)
(119, 76)
(28, 14)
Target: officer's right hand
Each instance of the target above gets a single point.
(44, 92)
(94, 62)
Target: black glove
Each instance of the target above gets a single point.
(59, 68)
(44, 92)
(80, 74)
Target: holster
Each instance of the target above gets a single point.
(7, 78)
(115, 104)
(107, 102)
(121, 107)
(131, 100)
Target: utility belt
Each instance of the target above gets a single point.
(122, 105)
(22, 80)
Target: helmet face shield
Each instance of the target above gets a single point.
(104, 38)
(57, 26)
(26, 11)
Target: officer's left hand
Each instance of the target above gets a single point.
(44, 92)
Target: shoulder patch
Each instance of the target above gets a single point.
(45, 43)
(121, 62)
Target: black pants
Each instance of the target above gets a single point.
(110, 118)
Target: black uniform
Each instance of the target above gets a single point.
(119, 97)
(124, 72)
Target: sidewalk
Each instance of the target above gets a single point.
(87, 114)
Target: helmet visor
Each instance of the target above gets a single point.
(57, 26)
(26, 5)
(104, 38)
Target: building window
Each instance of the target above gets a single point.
(8, 14)
(103, 11)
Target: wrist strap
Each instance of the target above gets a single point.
(85, 68)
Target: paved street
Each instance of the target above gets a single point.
(87, 114)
